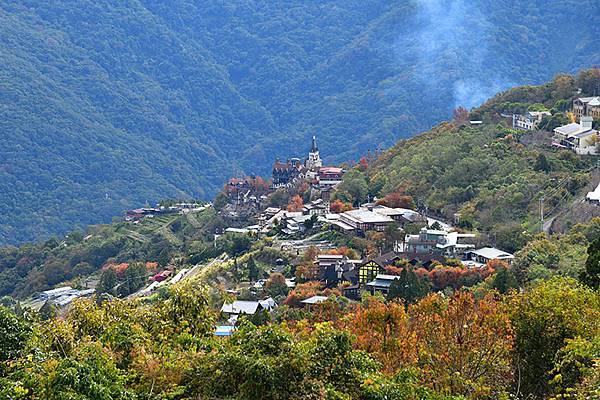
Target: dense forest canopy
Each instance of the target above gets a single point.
(108, 105)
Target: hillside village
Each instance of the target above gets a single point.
(297, 209)
(315, 232)
(488, 219)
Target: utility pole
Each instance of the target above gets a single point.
(542, 214)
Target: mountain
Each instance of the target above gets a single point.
(106, 105)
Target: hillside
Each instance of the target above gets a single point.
(106, 105)
(490, 177)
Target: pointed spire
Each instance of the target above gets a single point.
(314, 148)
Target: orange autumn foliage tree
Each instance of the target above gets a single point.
(296, 204)
(382, 330)
(344, 251)
(458, 345)
(464, 345)
(151, 265)
(338, 206)
(397, 199)
(363, 164)
(442, 277)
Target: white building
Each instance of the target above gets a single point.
(239, 307)
(581, 138)
(439, 241)
(480, 257)
(313, 162)
(364, 220)
(594, 197)
(530, 120)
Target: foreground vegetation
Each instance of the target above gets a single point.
(542, 342)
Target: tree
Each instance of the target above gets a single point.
(397, 199)
(541, 163)
(134, 278)
(591, 275)
(464, 344)
(311, 222)
(545, 318)
(220, 201)
(589, 81)
(187, 310)
(108, 281)
(296, 204)
(48, 311)
(354, 187)
(409, 286)
(253, 270)
(504, 280)
(88, 373)
(460, 115)
(14, 332)
(275, 285)
(535, 260)
(338, 206)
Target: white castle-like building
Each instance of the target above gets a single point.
(313, 162)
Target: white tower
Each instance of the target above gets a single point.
(313, 162)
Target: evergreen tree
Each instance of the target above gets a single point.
(591, 275)
(252, 270)
(409, 286)
(504, 280)
(108, 280)
(541, 163)
(134, 278)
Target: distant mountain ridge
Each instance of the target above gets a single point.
(106, 105)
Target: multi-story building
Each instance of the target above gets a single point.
(438, 241)
(579, 137)
(329, 176)
(530, 120)
(365, 220)
(287, 173)
(587, 107)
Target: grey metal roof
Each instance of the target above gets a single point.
(240, 307)
(383, 281)
(314, 300)
(492, 253)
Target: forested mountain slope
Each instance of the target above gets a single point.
(105, 105)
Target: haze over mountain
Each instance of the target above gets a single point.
(105, 105)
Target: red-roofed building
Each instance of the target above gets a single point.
(330, 176)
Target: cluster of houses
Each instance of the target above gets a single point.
(247, 197)
(578, 136)
(294, 170)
